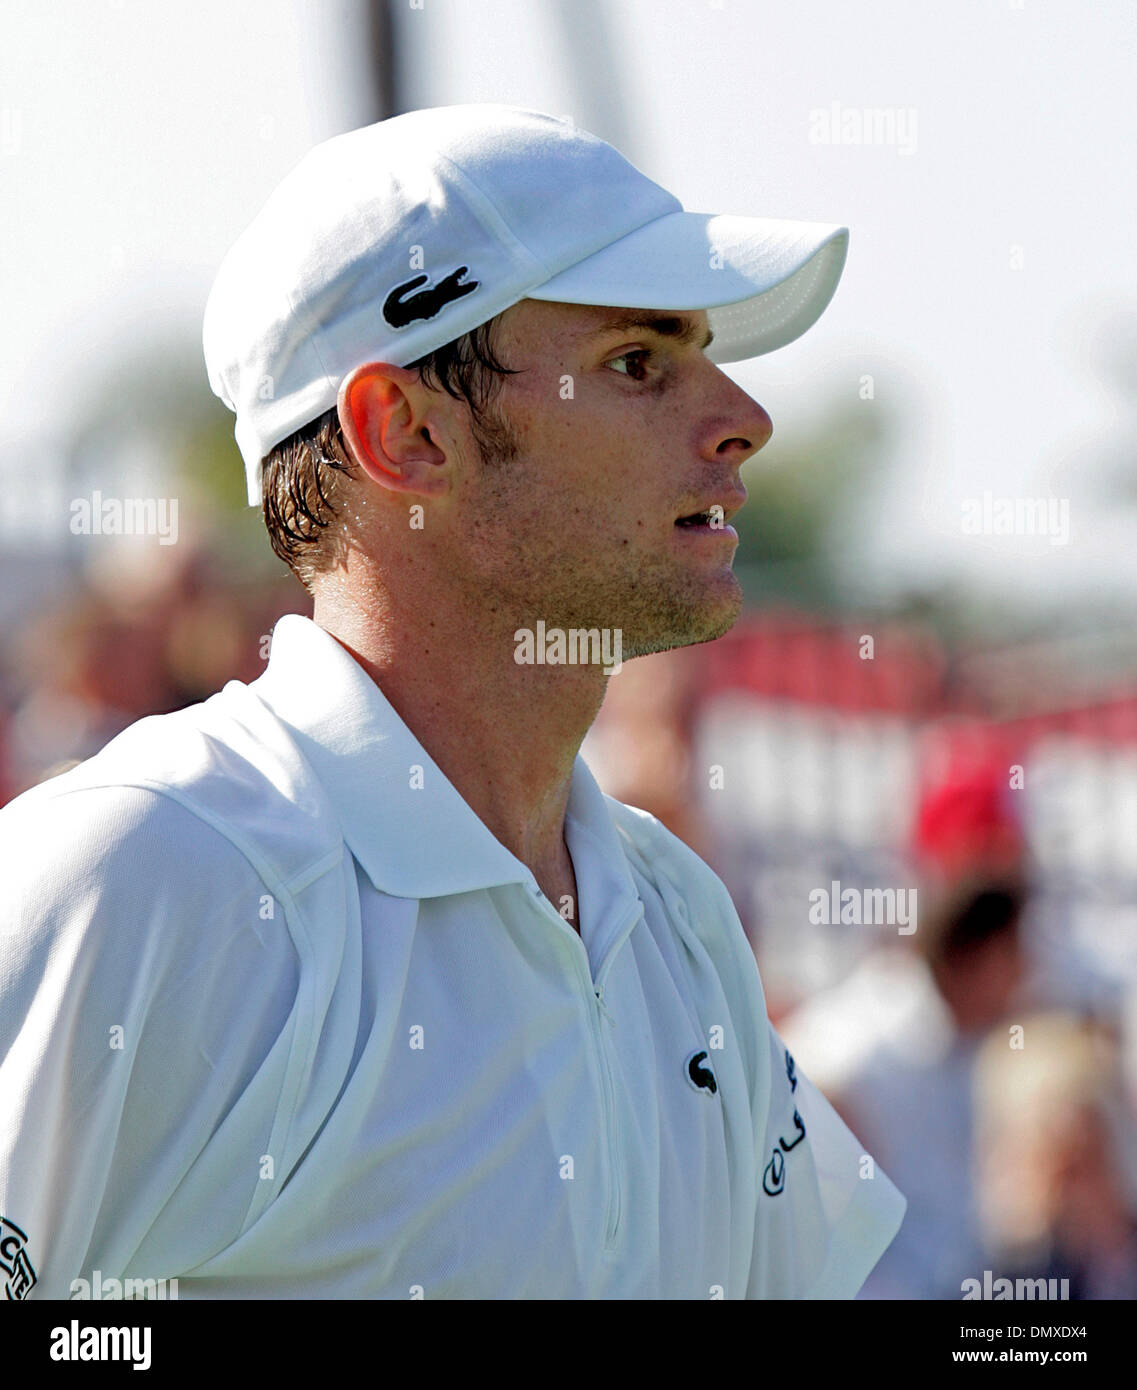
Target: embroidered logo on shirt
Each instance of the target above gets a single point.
(15, 1267)
(774, 1178)
(702, 1078)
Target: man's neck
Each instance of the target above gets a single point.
(504, 735)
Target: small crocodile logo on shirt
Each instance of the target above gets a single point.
(701, 1077)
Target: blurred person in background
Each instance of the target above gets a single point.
(131, 638)
(90, 670)
(1052, 1128)
(912, 1096)
(895, 1045)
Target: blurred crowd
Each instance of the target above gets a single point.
(1001, 1109)
(126, 638)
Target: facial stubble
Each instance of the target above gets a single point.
(657, 601)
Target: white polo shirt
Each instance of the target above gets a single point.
(280, 1017)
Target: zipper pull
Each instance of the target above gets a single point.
(604, 1007)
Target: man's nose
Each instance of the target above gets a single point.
(742, 429)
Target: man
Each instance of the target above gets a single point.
(350, 982)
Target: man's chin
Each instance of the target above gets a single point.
(706, 623)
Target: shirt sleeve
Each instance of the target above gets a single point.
(123, 941)
(825, 1213)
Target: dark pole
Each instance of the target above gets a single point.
(387, 78)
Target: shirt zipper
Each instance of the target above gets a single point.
(598, 1012)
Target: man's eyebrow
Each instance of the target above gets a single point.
(666, 325)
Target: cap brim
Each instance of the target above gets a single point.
(763, 282)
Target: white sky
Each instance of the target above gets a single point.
(137, 139)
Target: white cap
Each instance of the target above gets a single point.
(390, 241)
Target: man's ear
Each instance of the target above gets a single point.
(381, 411)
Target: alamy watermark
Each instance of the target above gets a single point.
(1017, 516)
(870, 907)
(125, 516)
(11, 129)
(76, 1343)
(98, 1288)
(574, 646)
(877, 125)
(1028, 1289)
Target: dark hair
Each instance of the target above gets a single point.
(988, 911)
(302, 477)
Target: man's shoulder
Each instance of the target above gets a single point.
(647, 834)
(227, 762)
(661, 855)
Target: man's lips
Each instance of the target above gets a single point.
(713, 514)
(705, 528)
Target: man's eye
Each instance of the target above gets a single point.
(636, 360)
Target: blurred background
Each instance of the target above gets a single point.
(932, 697)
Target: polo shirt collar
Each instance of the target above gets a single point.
(411, 842)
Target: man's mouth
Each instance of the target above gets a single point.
(709, 524)
(717, 513)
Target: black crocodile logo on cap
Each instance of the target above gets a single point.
(402, 307)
